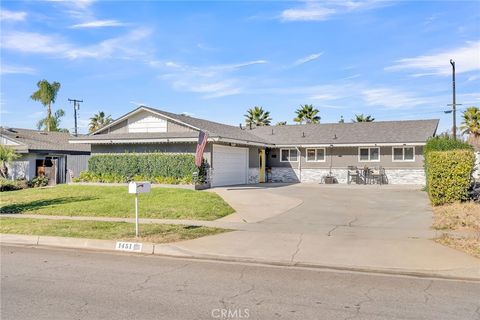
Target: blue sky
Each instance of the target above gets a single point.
(214, 60)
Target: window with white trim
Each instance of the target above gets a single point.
(316, 155)
(288, 155)
(403, 154)
(369, 154)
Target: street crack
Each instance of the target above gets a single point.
(359, 304)
(333, 229)
(298, 247)
(427, 295)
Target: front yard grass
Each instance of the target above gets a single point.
(156, 233)
(108, 201)
(462, 217)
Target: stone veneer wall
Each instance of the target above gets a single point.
(394, 176)
(253, 175)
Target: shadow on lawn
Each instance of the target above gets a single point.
(38, 204)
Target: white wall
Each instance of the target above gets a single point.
(23, 168)
(146, 122)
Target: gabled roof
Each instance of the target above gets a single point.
(34, 140)
(409, 131)
(379, 132)
(214, 129)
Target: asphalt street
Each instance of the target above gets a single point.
(46, 283)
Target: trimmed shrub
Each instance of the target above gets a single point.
(449, 175)
(39, 181)
(155, 167)
(445, 143)
(11, 185)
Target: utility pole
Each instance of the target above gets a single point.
(76, 106)
(454, 102)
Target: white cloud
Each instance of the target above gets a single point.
(211, 81)
(8, 69)
(390, 98)
(126, 46)
(324, 10)
(30, 42)
(99, 24)
(308, 58)
(7, 15)
(311, 12)
(120, 47)
(467, 59)
(473, 78)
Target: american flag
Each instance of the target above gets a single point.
(202, 142)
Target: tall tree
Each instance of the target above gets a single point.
(99, 120)
(256, 116)
(363, 118)
(471, 124)
(52, 122)
(46, 94)
(307, 113)
(7, 155)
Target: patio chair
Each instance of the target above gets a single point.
(378, 176)
(353, 173)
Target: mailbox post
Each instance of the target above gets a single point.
(136, 188)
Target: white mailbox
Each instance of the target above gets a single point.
(138, 187)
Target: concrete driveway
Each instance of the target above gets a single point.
(384, 228)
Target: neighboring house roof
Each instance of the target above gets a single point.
(25, 140)
(379, 132)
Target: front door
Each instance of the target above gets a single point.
(261, 172)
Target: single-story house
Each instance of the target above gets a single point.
(290, 153)
(44, 153)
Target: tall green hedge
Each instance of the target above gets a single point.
(445, 143)
(448, 175)
(176, 166)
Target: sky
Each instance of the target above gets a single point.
(214, 60)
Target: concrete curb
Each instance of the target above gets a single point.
(168, 250)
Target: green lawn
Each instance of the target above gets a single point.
(106, 201)
(157, 233)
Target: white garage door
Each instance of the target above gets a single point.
(229, 165)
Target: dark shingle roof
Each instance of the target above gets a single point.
(42, 141)
(214, 129)
(409, 131)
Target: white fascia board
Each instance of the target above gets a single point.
(126, 141)
(351, 145)
(244, 142)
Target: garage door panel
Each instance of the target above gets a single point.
(229, 165)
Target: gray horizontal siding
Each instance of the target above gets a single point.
(342, 157)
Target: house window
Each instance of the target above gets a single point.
(403, 154)
(288, 155)
(316, 155)
(369, 154)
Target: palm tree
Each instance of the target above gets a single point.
(341, 120)
(471, 124)
(307, 113)
(46, 94)
(363, 118)
(281, 123)
(256, 116)
(7, 155)
(99, 120)
(52, 123)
